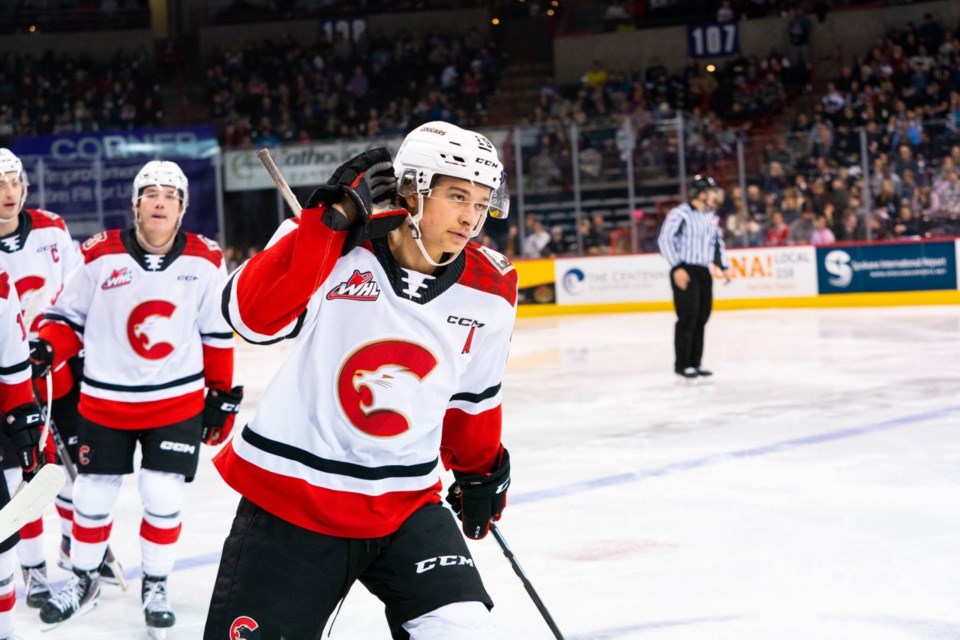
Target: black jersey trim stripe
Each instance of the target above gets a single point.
(336, 467)
(477, 397)
(15, 368)
(225, 312)
(225, 335)
(56, 317)
(109, 386)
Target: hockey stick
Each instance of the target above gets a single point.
(67, 462)
(30, 501)
(279, 180)
(526, 581)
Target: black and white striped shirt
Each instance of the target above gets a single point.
(690, 236)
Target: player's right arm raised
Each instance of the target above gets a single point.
(266, 298)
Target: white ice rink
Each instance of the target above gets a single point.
(809, 492)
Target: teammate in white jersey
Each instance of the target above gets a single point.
(145, 306)
(402, 328)
(37, 251)
(21, 423)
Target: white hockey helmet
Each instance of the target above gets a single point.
(161, 173)
(443, 149)
(10, 163)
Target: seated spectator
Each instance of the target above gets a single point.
(536, 239)
(802, 228)
(851, 229)
(558, 245)
(778, 233)
(592, 242)
(822, 233)
(600, 229)
(725, 13)
(907, 225)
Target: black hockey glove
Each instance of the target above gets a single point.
(22, 425)
(41, 357)
(219, 411)
(368, 180)
(478, 499)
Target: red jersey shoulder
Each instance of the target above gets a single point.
(44, 219)
(103, 244)
(203, 247)
(490, 272)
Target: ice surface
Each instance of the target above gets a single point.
(809, 491)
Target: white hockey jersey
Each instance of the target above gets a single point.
(390, 369)
(151, 329)
(15, 387)
(39, 256)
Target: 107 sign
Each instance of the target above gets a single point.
(713, 40)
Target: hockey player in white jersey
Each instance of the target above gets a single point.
(20, 417)
(37, 251)
(145, 306)
(402, 327)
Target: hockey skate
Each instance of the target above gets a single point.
(109, 571)
(156, 608)
(80, 595)
(36, 586)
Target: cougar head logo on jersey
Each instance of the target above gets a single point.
(30, 288)
(377, 385)
(244, 628)
(379, 390)
(150, 331)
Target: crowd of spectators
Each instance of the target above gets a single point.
(905, 95)
(268, 92)
(63, 93)
(716, 107)
(227, 11)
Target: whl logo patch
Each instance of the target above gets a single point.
(360, 286)
(118, 278)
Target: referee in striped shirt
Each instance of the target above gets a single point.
(690, 241)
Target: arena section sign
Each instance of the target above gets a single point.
(774, 272)
(920, 266)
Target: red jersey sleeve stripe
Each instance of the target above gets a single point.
(217, 368)
(470, 442)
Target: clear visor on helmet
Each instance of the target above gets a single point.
(10, 180)
(497, 207)
(500, 200)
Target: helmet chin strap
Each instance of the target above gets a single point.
(414, 221)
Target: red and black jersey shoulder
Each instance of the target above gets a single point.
(41, 219)
(202, 247)
(102, 244)
(488, 271)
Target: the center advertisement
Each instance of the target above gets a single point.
(775, 272)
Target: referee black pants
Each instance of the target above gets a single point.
(693, 306)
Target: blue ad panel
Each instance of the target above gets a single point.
(189, 142)
(921, 266)
(82, 192)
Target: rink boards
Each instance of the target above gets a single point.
(839, 275)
